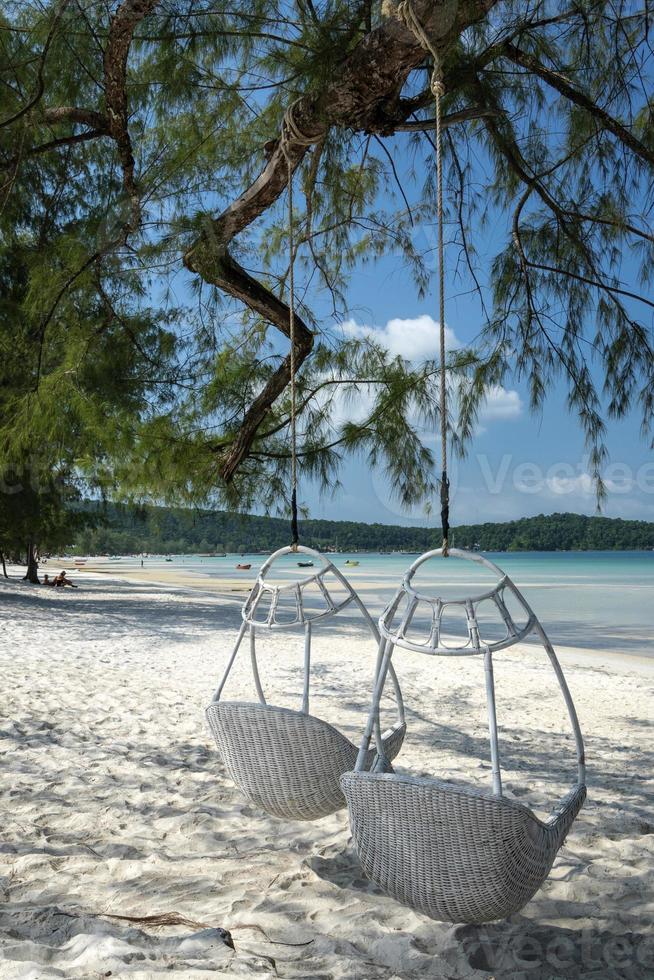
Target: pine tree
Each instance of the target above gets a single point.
(145, 231)
(37, 518)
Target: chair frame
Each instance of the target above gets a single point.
(390, 639)
(455, 853)
(285, 761)
(296, 587)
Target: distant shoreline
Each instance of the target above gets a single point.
(167, 531)
(593, 601)
(163, 556)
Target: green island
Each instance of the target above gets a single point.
(163, 530)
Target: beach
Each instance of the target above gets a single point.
(115, 802)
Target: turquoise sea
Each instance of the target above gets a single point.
(595, 600)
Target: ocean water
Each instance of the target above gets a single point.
(594, 600)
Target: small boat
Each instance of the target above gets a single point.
(168, 559)
(305, 564)
(80, 561)
(244, 567)
(350, 562)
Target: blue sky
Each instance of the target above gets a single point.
(519, 464)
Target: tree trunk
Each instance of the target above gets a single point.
(4, 567)
(32, 574)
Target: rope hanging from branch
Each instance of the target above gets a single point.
(292, 134)
(407, 14)
(438, 90)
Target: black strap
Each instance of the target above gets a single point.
(445, 509)
(295, 536)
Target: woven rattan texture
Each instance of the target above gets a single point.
(457, 856)
(288, 763)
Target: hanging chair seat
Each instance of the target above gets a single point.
(290, 762)
(286, 762)
(453, 854)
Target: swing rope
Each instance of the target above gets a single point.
(407, 14)
(295, 537)
(291, 133)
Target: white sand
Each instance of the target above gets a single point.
(113, 801)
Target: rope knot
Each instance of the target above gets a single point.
(437, 84)
(291, 132)
(408, 16)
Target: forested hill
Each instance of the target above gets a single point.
(165, 530)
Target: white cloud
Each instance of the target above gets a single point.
(577, 486)
(500, 403)
(416, 339)
(618, 479)
(561, 484)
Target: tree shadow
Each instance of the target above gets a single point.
(523, 948)
(144, 609)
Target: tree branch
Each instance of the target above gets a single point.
(362, 95)
(40, 84)
(89, 134)
(229, 276)
(507, 145)
(559, 82)
(451, 119)
(121, 31)
(75, 114)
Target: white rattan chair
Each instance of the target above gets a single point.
(455, 854)
(290, 762)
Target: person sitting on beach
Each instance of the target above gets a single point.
(46, 580)
(61, 580)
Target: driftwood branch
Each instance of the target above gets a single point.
(162, 920)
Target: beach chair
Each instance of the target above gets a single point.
(456, 853)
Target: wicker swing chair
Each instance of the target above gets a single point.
(289, 762)
(456, 854)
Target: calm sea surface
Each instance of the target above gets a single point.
(595, 600)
